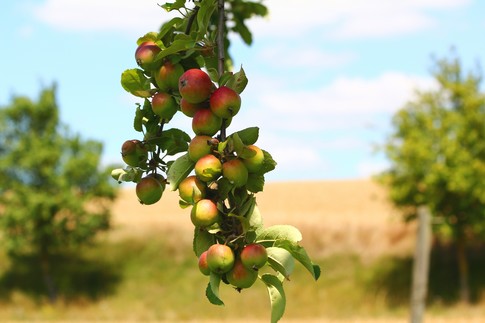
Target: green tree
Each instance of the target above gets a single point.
(53, 195)
(437, 154)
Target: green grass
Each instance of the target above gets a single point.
(152, 278)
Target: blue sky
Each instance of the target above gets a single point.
(325, 77)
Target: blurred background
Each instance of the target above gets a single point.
(326, 79)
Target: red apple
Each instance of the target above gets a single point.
(208, 168)
(195, 85)
(254, 163)
(149, 190)
(146, 53)
(254, 256)
(220, 258)
(235, 171)
(203, 266)
(134, 153)
(191, 189)
(225, 102)
(205, 122)
(167, 77)
(189, 109)
(240, 276)
(200, 146)
(164, 105)
(204, 213)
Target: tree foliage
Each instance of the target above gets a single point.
(437, 153)
(53, 195)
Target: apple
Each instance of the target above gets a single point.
(189, 109)
(225, 102)
(254, 256)
(208, 168)
(200, 146)
(167, 77)
(205, 122)
(149, 190)
(146, 53)
(164, 105)
(254, 163)
(220, 258)
(191, 189)
(240, 276)
(203, 266)
(235, 171)
(195, 85)
(134, 153)
(204, 213)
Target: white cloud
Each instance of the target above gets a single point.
(305, 57)
(346, 102)
(131, 17)
(350, 18)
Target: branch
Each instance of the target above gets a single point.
(221, 54)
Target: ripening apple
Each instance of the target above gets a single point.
(200, 146)
(235, 171)
(254, 256)
(204, 213)
(167, 77)
(220, 258)
(189, 109)
(208, 168)
(255, 163)
(191, 189)
(205, 122)
(225, 102)
(203, 266)
(134, 153)
(149, 190)
(240, 276)
(164, 105)
(146, 53)
(195, 85)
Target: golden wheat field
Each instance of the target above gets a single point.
(335, 216)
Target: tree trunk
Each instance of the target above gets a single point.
(462, 268)
(47, 276)
(421, 265)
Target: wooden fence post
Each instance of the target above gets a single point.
(421, 265)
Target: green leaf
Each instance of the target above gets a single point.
(179, 170)
(248, 136)
(237, 144)
(280, 232)
(225, 77)
(169, 25)
(281, 260)
(181, 44)
(169, 6)
(212, 291)
(238, 81)
(268, 163)
(135, 82)
(255, 183)
(151, 36)
(276, 296)
(128, 174)
(204, 15)
(202, 241)
(138, 121)
(300, 254)
(172, 141)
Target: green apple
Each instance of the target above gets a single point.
(225, 102)
(146, 53)
(254, 163)
(191, 189)
(195, 85)
(205, 122)
(164, 105)
(204, 213)
(240, 276)
(220, 258)
(235, 171)
(208, 168)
